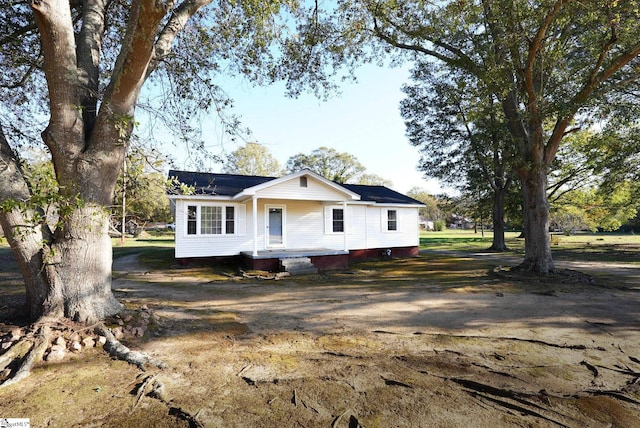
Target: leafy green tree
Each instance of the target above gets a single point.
(144, 187)
(431, 210)
(601, 208)
(83, 65)
(462, 136)
(569, 220)
(329, 163)
(596, 174)
(252, 159)
(373, 180)
(549, 63)
(574, 167)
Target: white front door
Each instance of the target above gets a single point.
(275, 226)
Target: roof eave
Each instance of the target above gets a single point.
(250, 192)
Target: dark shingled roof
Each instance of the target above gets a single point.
(230, 184)
(380, 194)
(206, 183)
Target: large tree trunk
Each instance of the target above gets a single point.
(66, 272)
(83, 256)
(537, 252)
(498, 243)
(67, 267)
(71, 275)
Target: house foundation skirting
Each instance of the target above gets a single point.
(383, 253)
(330, 260)
(321, 259)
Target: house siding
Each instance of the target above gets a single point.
(305, 227)
(407, 233)
(291, 190)
(188, 246)
(365, 228)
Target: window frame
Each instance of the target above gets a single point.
(393, 220)
(191, 220)
(220, 220)
(337, 221)
(211, 220)
(328, 216)
(385, 221)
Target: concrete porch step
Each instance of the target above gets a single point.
(298, 265)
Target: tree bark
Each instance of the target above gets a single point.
(67, 266)
(82, 258)
(67, 270)
(537, 254)
(498, 243)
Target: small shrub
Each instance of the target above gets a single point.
(438, 225)
(555, 240)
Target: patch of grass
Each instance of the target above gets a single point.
(12, 290)
(94, 386)
(587, 246)
(136, 245)
(602, 247)
(460, 240)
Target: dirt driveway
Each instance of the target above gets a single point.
(438, 341)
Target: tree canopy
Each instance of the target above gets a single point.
(89, 66)
(143, 185)
(461, 132)
(329, 163)
(549, 63)
(252, 159)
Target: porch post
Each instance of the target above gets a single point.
(255, 225)
(346, 225)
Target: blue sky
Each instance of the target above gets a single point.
(364, 120)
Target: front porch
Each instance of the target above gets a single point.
(271, 260)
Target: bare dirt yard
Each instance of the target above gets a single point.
(443, 340)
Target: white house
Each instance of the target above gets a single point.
(264, 220)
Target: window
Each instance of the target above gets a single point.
(192, 219)
(230, 215)
(392, 220)
(214, 220)
(338, 220)
(210, 220)
(303, 181)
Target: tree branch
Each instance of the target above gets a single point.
(53, 18)
(89, 50)
(24, 236)
(131, 66)
(535, 47)
(177, 22)
(594, 81)
(459, 59)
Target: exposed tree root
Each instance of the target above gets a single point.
(518, 408)
(506, 338)
(36, 345)
(24, 347)
(117, 350)
(151, 386)
(520, 273)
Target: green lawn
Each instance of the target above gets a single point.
(155, 248)
(158, 247)
(462, 240)
(588, 246)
